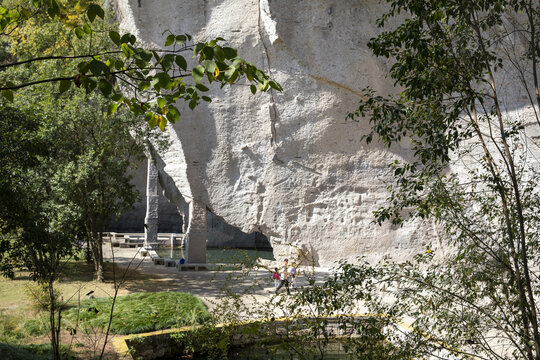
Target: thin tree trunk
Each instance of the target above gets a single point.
(97, 254)
(55, 327)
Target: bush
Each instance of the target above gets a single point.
(40, 297)
(35, 327)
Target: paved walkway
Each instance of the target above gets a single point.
(255, 287)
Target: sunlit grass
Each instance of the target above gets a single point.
(139, 312)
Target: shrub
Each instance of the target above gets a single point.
(40, 297)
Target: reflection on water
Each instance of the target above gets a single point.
(221, 256)
(333, 350)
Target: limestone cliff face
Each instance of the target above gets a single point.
(286, 164)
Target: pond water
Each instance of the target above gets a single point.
(221, 255)
(332, 351)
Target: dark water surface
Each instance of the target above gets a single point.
(221, 256)
(332, 351)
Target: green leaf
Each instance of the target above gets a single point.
(170, 40)
(275, 85)
(145, 54)
(143, 85)
(126, 49)
(53, 9)
(105, 87)
(192, 104)
(163, 79)
(125, 38)
(197, 49)
(89, 85)
(206, 98)
(118, 64)
(83, 67)
(64, 86)
(112, 108)
(208, 52)
(201, 87)
(253, 89)
(210, 66)
(230, 53)
(180, 39)
(26, 13)
(218, 53)
(94, 10)
(87, 29)
(197, 73)
(173, 114)
(117, 97)
(8, 94)
(231, 73)
(167, 61)
(79, 32)
(96, 67)
(151, 119)
(259, 75)
(237, 63)
(115, 37)
(160, 102)
(181, 62)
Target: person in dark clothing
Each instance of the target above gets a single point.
(285, 277)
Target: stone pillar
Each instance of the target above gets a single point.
(152, 204)
(185, 216)
(196, 234)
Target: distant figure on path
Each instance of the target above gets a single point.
(276, 278)
(284, 277)
(292, 273)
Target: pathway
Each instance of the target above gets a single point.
(210, 286)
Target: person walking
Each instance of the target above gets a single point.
(284, 277)
(277, 279)
(292, 274)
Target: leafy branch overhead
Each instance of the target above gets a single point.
(148, 81)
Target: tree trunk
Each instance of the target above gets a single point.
(55, 326)
(97, 254)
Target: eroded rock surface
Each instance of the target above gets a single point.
(286, 164)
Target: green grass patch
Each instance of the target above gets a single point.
(16, 327)
(139, 312)
(32, 352)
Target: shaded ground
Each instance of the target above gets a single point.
(209, 285)
(16, 305)
(137, 274)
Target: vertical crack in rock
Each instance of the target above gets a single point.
(273, 110)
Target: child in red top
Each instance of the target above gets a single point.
(277, 279)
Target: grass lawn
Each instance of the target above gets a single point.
(139, 312)
(23, 330)
(31, 352)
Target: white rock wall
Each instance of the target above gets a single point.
(286, 164)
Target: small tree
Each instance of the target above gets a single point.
(37, 224)
(96, 151)
(469, 105)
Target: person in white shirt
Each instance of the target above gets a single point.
(292, 273)
(285, 277)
